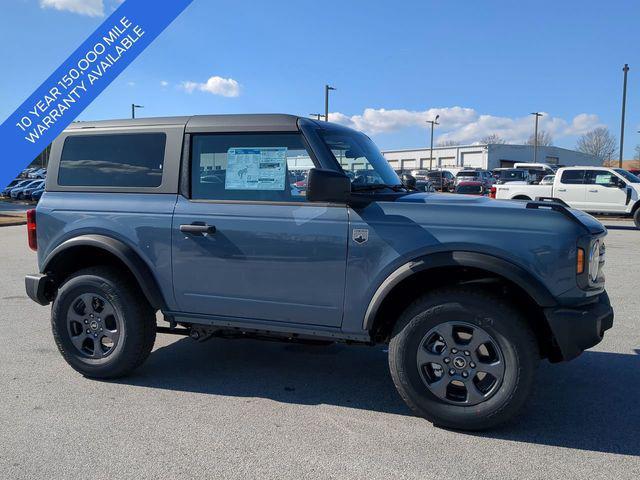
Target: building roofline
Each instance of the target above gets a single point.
(481, 145)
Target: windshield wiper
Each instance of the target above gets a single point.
(377, 186)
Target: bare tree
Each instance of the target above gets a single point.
(599, 142)
(544, 139)
(448, 143)
(636, 156)
(493, 138)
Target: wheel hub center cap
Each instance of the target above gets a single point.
(459, 362)
(93, 325)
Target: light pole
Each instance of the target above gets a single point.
(326, 101)
(432, 122)
(535, 138)
(625, 69)
(133, 109)
(317, 115)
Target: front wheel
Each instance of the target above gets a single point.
(463, 359)
(101, 326)
(636, 217)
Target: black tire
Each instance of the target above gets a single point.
(136, 323)
(636, 217)
(478, 310)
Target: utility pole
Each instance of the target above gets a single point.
(535, 138)
(318, 116)
(625, 69)
(432, 122)
(133, 109)
(326, 101)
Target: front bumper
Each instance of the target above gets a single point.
(579, 327)
(39, 288)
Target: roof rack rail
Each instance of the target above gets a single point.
(552, 199)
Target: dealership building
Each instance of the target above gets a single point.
(485, 156)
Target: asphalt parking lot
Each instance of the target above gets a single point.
(247, 409)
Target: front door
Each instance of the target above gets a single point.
(604, 192)
(247, 244)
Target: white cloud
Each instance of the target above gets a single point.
(164, 83)
(226, 87)
(381, 120)
(91, 8)
(465, 125)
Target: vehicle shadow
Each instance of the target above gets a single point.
(591, 403)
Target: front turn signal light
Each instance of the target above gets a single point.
(580, 262)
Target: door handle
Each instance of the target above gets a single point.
(593, 191)
(198, 229)
(562, 189)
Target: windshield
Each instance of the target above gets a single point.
(359, 158)
(470, 189)
(467, 174)
(628, 176)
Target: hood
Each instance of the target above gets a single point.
(589, 223)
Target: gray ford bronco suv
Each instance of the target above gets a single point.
(280, 227)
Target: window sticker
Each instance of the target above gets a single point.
(256, 168)
(603, 179)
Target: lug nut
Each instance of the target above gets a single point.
(447, 360)
(467, 353)
(452, 372)
(86, 321)
(454, 350)
(472, 365)
(465, 374)
(88, 331)
(91, 315)
(95, 335)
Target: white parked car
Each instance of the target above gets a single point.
(592, 189)
(537, 170)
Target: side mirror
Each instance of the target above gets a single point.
(328, 186)
(408, 181)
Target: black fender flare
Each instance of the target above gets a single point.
(140, 270)
(498, 266)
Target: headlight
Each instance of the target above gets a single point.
(594, 261)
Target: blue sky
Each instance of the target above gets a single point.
(482, 65)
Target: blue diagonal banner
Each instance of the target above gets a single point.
(80, 79)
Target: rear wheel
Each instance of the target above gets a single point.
(463, 359)
(636, 217)
(101, 325)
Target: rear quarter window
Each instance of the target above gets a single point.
(115, 160)
(572, 177)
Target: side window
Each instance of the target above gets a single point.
(253, 167)
(116, 160)
(600, 177)
(572, 177)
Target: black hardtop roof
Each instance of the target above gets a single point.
(195, 123)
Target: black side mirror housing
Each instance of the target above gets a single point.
(408, 180)
(328, 186)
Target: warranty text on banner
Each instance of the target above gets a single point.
(80, 79)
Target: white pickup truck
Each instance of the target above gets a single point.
(592, 189)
